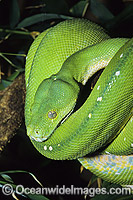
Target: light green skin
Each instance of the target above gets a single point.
(53, 71)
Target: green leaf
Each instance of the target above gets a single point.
(112, 197)
(36, 197)
(78, 9)
(106, 184)
(93, 179)
(40, 18)
(7, 178)
(100, 11)
(121, 18)
(15, 74)
(58, 7)
(5, 182)
(14, 13)
(5, 58)
(4, 84)
(21, 171)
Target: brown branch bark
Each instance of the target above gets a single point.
(11, 110)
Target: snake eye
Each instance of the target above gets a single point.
(52, 114)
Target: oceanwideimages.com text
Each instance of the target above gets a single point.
(7, 189)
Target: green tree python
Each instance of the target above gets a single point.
(100, 132)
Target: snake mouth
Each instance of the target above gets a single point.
(38, 139)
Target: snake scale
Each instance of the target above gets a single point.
(99, 133)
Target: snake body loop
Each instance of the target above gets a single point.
(59, 61)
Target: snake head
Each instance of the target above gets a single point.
(54, 101)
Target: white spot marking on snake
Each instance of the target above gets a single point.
(131, 144)
(98, 87)
(121, 55)
(110, 85)
(117, 173)
(55, 79)
(99, 99)
(124, 139)
(89, 115)
(84, 82)
(85, 41)
(58, 145)
(117, 73)
(45, 147)
(50, 148)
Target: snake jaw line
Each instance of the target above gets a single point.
(38, 139)
(67, 116)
